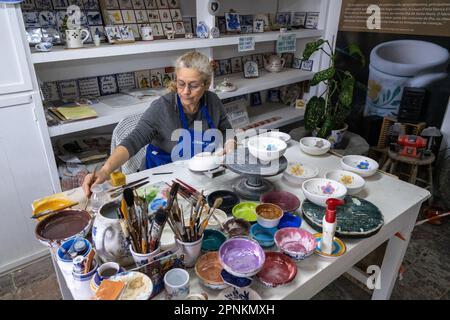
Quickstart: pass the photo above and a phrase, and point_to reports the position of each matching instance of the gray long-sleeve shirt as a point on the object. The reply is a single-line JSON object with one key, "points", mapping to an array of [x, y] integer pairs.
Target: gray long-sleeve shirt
{"points": [[162, 118]]}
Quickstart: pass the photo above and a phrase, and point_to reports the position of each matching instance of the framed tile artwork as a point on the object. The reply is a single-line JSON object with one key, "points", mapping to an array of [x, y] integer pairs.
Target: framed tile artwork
{"points": [[68, 89], [165, 15], [50, 91], [188, 25], [89, 87], [312, 20], [233, 24], [142, 78], [307, 65], [225, 66], [162, 4], [156, 76], [108, 84], [251, 69], [125, 4], [236, 64], [298, 20], [125, 81], [179, 28]]}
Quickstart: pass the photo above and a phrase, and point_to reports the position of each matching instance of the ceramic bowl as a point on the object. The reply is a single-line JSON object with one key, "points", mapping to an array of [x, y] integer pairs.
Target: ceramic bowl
{"points": [[212, 240], [277, 135], [245, 210], [101, 274], [319, 190], [208, 268], [204, 161], [241, 294], [230, 199], [363, 166], [264, 236], [295, 243], [290, 220], [138, 286], [268, 215], [353, 182], [266, 149], [297, 172], [285, 200], [278, 269], [218, 215], [314, 146], [240, 282], [242, 257], [236, 227]]}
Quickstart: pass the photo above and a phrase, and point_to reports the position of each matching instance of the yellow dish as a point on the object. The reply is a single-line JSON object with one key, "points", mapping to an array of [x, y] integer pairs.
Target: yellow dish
{"points": [[54, 202]]}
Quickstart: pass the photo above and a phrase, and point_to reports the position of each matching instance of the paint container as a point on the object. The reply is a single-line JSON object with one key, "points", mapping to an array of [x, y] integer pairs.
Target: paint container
{"points": [[81, 289], [191, 251], [105, 271], [176, 282], [143, 258]]}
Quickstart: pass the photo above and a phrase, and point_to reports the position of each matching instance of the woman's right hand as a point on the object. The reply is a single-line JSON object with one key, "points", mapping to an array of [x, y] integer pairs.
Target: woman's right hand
{"points": [[100, 177]]}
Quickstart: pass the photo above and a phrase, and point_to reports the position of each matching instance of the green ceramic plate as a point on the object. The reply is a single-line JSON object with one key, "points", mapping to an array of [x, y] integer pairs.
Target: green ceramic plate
{"points": [[245, 210]]}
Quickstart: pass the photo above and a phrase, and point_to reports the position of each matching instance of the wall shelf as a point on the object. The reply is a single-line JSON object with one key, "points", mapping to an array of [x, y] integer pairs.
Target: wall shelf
{"points": [[107, 50]]}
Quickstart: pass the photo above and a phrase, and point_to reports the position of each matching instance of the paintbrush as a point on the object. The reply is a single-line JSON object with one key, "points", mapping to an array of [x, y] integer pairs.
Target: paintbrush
{"points": [[90, 185], [137, 186], [217, 204], [128, 185]]}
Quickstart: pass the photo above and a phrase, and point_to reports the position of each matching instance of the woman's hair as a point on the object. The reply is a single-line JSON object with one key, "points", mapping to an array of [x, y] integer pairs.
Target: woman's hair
{"points": [[193, 60]]}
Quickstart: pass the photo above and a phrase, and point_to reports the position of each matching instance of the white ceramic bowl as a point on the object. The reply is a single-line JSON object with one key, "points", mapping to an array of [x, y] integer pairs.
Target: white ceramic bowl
{"points": [[362, 165], [276, 134], [212, 222], [204, 161], [353, 182], [297, 172], [319, 190], [314, 146], [266, 149]]}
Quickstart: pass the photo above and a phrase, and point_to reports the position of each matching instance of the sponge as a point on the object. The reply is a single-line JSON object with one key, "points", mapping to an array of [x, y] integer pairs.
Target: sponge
{"points": [[118, 179]]}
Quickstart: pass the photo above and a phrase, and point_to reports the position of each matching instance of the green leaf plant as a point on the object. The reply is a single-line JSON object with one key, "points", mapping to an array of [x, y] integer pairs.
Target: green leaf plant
{"points": [[329, 110]]}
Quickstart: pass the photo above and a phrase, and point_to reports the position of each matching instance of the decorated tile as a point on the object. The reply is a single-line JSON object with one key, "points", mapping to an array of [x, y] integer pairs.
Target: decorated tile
{"points": [[236, 64], [68, 89], [125, 81], [126, 33], [157, 29], [142, 78], [165, 15], [297, 63], [298, 19], [162, 4], [72, 18], [225, 66], [135, 29], [153, 16], [150, 4], [31, 19], [307, 65], [312, 20], [216, 68], [288, 58], [167, 26], [156, 77], [125, 4], [246, 58], [100, 30], [232, 22], [91, 5], [50, 91], [138, 4], [94, 18], [78, 3], [112, 4], [258, 58], [115, 16], [108, 84], [60, 4], [246, 23], [166, 78], [28, 5], [179, 27], [44, 4], [128, 16], [141, 16], [176, 15], [174, 4], [283, 19], [60, 16], [221, 24], [89, 87], [188, 25]]}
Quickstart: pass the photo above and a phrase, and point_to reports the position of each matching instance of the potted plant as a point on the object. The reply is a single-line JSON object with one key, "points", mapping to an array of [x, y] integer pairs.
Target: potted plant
{"points": [[325, 114]]}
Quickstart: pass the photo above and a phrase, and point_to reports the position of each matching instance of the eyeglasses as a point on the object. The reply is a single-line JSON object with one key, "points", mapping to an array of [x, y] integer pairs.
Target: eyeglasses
{"points": [[193, 86]]}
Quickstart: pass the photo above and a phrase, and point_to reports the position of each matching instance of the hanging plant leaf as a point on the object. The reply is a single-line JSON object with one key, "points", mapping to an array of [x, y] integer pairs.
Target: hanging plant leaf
{"points": [[354, 50], [312, 47], [347, 86], [326, 128], [315, 110], [322, 76]]}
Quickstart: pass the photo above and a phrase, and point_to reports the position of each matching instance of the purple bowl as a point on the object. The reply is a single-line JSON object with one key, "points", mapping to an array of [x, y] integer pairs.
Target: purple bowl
{"points": [[285, 200], [242, 257]]}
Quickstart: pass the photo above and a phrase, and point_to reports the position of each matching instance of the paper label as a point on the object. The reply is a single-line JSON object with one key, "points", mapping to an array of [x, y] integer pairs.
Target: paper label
{"points": [[246, 44]]}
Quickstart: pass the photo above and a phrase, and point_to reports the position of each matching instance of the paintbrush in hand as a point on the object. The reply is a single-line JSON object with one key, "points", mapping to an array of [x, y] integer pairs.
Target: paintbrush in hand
{"points": [[90, 185]]}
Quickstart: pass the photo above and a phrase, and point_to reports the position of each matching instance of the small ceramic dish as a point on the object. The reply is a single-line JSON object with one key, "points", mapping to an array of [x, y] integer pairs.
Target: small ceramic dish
{"points": [[264, 236], [240, 282], [208, 268], [278, 269], [230, 199], [266, 149], [268, 215], [314, 146], [204, 161], [138, 285], [245, 210], [297, 172], [212, 240], [319, 190], [353, 182], [295, 243], [277, 135], [233, 293], [242, 257], [226, 86], [363, 166], [285, 200], [197, 296], [236, 227], [111, 268], [339, 247], [218, 215], [290, 220]]}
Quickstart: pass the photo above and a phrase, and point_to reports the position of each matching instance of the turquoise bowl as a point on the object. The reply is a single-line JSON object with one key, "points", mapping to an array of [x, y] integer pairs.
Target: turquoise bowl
{"points": [[264, 236], [212, 240]]}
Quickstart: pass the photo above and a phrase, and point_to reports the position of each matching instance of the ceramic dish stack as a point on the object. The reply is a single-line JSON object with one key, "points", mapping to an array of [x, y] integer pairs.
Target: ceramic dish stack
{"points": [[361, 165], [314, 146], [297, 173], [319, 190]]}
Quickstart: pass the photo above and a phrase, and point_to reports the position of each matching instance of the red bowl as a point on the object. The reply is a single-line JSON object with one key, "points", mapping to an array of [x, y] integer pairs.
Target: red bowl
{"points": [[278, 269], [285, 200]]}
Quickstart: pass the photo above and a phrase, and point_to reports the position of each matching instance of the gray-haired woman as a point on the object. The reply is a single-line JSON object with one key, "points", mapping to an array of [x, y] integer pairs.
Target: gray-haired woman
{"points": [[189, 101]]}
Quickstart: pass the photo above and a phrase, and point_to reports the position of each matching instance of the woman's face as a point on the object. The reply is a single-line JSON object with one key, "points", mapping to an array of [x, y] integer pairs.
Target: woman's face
{"points": [[190, 86]]}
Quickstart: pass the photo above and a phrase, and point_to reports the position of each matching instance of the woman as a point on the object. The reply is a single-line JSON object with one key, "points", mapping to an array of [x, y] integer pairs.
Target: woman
{"points": [[188, 101]]}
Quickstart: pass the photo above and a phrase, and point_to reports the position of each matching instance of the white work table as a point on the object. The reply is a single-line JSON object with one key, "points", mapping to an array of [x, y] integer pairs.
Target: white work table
{"points": [[398, 201]]}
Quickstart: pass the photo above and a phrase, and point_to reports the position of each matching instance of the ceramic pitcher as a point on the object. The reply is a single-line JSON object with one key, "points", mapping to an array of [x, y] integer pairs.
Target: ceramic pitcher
{"points": [[109, 241], [397, 64]]}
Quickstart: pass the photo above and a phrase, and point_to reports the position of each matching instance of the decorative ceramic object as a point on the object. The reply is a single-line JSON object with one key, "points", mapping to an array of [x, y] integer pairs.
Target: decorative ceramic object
{"points": [[189, 35], [363, 166], [245, 210], [353, 182], [143, 258], [204, 161], [339, 247], [176, 283], [215, 33], [264, 236], [240, 282], [237, 227], [266, 149], [81, 282], [44, 46], [278, 269], [238, 264], [285, 200], [212, 240], [297, 173], [232, 22], [170, 34], [258, 25], [251, 69], [276, 134], [319, 190], [64, 259], [368, 222], [105, 271], [226, 86], [75, 38], [213, 7], [97, 40], [146, 33], [202, 30], [138, 286], [295, 243], [208, 270], [314, 146], [268, 215], [274, 63], [191, 251], [229, 199], [241, 294]]}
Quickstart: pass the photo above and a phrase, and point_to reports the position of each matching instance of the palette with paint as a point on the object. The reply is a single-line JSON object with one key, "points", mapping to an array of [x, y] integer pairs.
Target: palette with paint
{"points": [[138, 286], [245, 210], [339, 247], [208, 270], [236, 227], [295, 243], [278, 269]]}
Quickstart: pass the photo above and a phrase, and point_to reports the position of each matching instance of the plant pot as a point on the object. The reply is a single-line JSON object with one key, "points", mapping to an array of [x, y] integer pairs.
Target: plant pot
{"points": [[336, 136]]}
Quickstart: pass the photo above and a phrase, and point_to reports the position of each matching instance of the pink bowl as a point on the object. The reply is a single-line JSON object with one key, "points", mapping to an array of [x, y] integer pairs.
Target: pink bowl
{"points": [[285, 200], [296, 243]]}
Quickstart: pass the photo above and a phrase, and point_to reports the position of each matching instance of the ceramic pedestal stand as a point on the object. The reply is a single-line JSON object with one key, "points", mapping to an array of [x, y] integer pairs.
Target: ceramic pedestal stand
{"points": [[253, 185]]}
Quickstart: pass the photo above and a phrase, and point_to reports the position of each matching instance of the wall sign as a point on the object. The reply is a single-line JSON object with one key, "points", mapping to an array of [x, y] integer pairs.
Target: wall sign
{"points": [[246, 44], [286, 43]]}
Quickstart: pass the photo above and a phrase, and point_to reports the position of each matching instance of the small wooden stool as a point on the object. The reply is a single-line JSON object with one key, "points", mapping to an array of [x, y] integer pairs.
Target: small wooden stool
{"points": [[394, 158]]}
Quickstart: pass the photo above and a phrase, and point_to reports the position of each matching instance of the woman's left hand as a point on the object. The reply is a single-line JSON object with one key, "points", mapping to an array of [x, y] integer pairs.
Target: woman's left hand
{"points": [[228, 147]]}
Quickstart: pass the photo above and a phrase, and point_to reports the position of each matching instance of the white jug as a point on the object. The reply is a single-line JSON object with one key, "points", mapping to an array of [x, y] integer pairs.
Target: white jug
{"points": [[397, 64]]}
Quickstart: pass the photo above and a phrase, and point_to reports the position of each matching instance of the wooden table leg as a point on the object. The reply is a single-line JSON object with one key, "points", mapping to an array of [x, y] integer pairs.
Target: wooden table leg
{"points": [[413, 177]]}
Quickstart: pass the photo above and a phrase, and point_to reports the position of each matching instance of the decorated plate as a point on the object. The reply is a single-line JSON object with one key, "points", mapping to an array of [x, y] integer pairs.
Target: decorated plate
{"points": [[233, 293], [339, 247], [138, 285]]}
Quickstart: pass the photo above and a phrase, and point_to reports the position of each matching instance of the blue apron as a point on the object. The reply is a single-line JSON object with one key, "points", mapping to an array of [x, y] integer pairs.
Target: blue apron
{"points": [[156, 157]]}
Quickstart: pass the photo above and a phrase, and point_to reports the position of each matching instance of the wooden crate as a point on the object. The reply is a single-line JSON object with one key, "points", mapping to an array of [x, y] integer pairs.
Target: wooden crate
{"points": [[409, 128]]}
